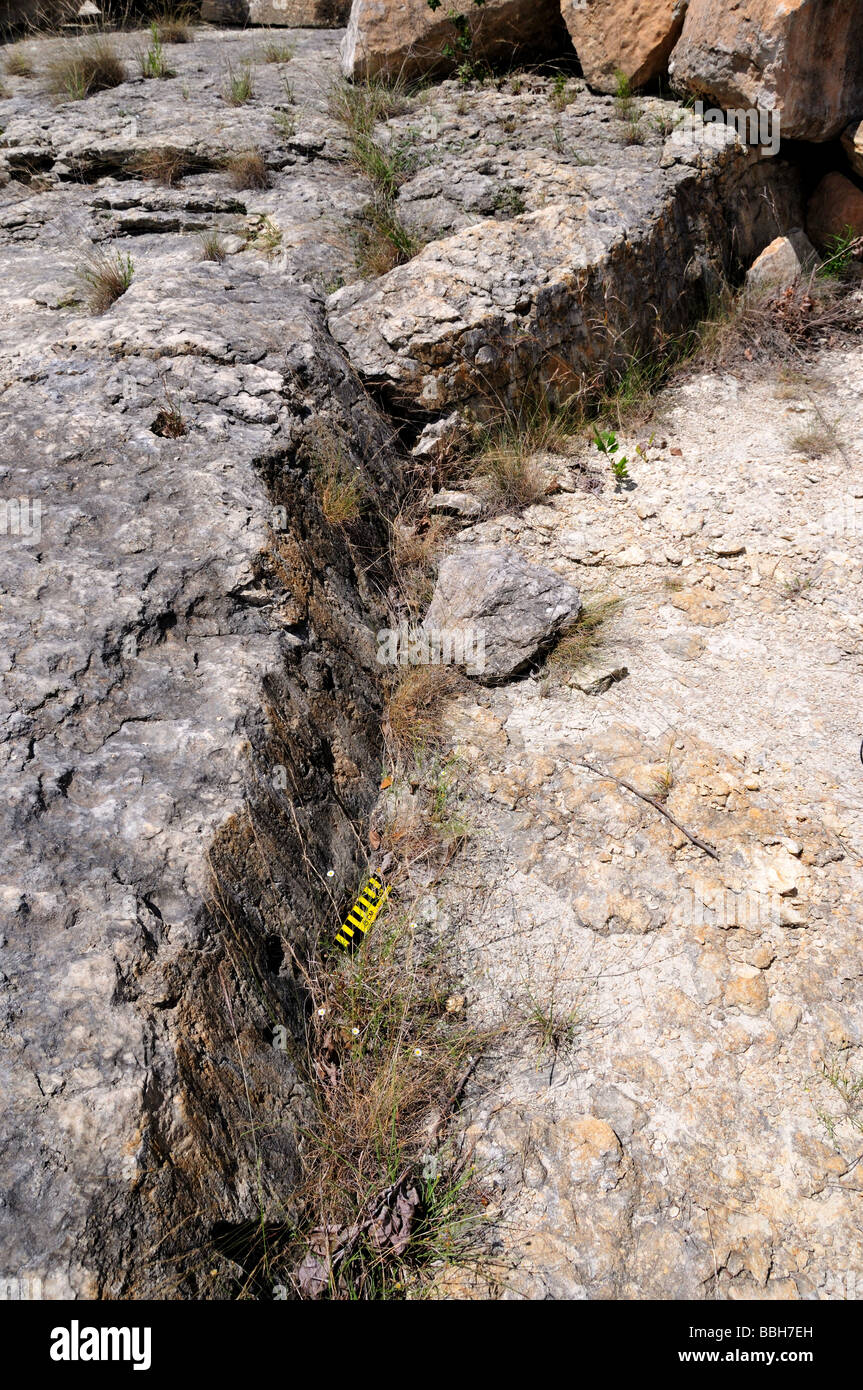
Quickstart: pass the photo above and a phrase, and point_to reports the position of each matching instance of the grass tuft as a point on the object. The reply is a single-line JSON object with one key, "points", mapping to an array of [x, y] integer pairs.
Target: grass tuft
{"points": [[18, 64], [105, 275], [239, 86], [165, 167], [82, 69], [248, 169], [212, 247]]}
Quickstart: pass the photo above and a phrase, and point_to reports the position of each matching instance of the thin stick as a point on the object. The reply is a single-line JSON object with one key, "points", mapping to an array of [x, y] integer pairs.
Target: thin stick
{"points": [[651, 801]]}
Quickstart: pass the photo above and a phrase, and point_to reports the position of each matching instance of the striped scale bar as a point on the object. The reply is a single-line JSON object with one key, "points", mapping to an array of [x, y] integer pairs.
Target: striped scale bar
{"points": [[364, 911]]}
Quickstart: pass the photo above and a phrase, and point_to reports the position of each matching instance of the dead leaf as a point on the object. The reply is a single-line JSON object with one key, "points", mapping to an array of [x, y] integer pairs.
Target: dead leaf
{"points": [[387, 782]]}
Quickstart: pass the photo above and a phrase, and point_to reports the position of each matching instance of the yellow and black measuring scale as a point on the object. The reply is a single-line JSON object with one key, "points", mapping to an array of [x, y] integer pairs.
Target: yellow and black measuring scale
{"points": [[365, 910]]}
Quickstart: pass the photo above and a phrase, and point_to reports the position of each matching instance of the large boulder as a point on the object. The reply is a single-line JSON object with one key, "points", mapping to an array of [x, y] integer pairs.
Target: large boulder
{"points": [[515, 609], [803, 58], [835, 207], [288, 14], [408, 37], [634, 37]]}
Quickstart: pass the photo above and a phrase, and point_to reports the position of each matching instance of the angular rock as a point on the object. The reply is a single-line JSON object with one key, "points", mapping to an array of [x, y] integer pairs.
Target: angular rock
{"points": [[289, 14], [782, 262], [456, 504], [852, 143], [803, 58], [409, 38], [630, 36], [835, 206], [515, 607]]}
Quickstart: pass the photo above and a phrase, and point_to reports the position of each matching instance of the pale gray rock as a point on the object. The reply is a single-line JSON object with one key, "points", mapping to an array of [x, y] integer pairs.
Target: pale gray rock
{"points": [[518, 608], [453, 503]]}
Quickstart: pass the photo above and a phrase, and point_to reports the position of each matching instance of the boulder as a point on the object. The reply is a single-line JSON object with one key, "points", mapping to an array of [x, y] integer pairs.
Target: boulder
{"points": [[287, 14], [852, 143], [408, 38], [782, 262], [836, 205], [630, 36], [803, 58], [515, 608]]}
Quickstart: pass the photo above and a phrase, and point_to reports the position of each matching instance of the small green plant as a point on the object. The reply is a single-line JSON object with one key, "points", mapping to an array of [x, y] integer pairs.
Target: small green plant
{"points": [[606, 443], [627, 110], [105, 276], [285, 123], [841, 249], [153, 60], [212, 247], [508, 202], [796, 586], [560, 95], [239, 87]]}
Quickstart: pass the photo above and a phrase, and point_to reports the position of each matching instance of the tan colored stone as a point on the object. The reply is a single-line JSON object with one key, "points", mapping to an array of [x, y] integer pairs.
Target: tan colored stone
{"points": [[852, 143], [782, 262], [409, 38], [747, 992], [836, 205], [803, 58], [630, 36]]}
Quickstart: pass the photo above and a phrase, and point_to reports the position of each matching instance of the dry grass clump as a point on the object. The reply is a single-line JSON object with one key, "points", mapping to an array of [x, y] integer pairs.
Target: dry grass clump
{"points": [[414, 714], [166, 166], [583, 638], [382, 241], [173, 27], [359, 106], [82, 69], [212, 247], [744, 328], [508, 463], [105, 275], [337, 481], [18, 64], [413, 549], [248, 169], [275, 50], [384, 1201]]}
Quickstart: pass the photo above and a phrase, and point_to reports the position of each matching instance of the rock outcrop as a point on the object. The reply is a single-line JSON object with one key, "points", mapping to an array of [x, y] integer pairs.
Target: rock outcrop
{"points": [[852, 143], [293, 14], [802, 58], [611, 246], [633, 37], [190, 705], [411, 37]]}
